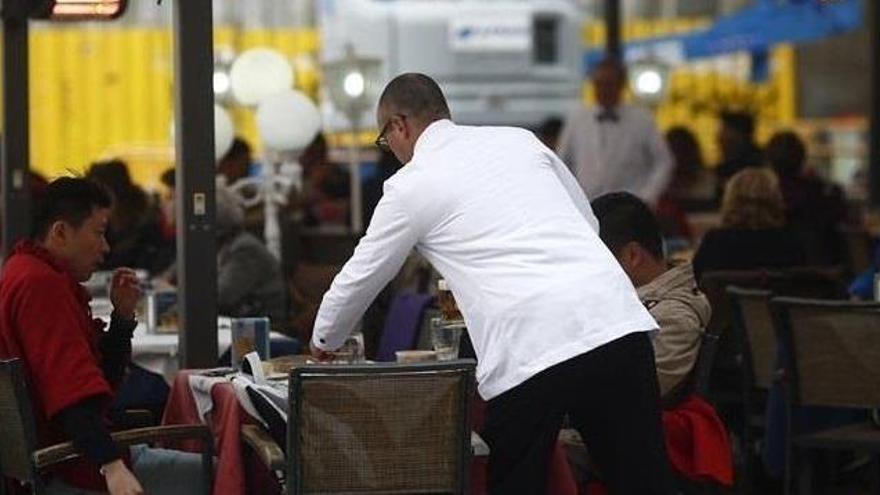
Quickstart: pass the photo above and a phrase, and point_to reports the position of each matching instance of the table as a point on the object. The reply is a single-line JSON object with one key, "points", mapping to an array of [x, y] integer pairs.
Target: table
{"points": [[227, 416], [157, 352]]}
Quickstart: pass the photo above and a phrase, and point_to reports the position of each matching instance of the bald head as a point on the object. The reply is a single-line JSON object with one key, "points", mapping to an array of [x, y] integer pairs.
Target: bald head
{"points": [[415, 95]]}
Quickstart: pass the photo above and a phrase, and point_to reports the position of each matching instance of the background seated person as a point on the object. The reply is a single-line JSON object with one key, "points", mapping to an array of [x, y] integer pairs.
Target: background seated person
{"points": [[72, 365], [632, 233], [249, 278], [753, 232]]}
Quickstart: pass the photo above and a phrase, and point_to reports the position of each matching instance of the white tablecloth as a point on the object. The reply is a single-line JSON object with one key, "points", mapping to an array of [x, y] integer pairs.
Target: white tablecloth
{"points": [[157, 352]]}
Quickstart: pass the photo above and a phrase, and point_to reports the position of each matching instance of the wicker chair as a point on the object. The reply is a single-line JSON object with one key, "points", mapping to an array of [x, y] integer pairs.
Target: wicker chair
{"points": [[373, 429], [753, 321], [21, 460], [832, 359]]}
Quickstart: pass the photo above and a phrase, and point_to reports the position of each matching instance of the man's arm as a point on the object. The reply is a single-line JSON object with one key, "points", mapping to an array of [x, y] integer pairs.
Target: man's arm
{"points": [[661, 164], [574, 190], [377, 258], [677, 343], [115, 346], [565, 147], [82, 424]]}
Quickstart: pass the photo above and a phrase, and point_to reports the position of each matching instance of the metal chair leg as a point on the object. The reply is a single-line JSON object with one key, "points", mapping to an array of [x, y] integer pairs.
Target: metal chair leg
{"points": [[208, 465], [804, 466]]}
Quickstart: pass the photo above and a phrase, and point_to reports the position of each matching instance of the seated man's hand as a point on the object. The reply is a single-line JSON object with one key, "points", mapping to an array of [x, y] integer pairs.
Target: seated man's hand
{"points": [[320, 354], [124, 292], [120, 481]]}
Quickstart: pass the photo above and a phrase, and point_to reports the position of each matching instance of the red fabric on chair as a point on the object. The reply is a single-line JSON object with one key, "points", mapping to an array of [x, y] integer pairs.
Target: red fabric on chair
{"points": [[697, 443], [225, 420]]}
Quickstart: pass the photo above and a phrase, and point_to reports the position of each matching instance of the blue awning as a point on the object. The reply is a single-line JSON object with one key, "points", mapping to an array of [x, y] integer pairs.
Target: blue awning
{"points": [[753, 29]]}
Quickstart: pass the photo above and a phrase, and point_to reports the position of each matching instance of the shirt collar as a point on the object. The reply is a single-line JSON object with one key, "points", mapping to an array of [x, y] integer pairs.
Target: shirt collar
{"points": [[30, 248], [432, 133]]}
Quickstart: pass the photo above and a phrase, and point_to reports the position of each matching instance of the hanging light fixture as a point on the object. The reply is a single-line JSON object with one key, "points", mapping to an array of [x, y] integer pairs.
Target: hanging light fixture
{"points": [[78, 10]]}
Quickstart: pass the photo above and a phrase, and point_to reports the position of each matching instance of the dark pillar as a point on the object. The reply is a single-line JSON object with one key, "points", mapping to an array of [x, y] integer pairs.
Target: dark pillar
{"points": [[612, 28], [194, 134], [874, 117], [16, 147]]}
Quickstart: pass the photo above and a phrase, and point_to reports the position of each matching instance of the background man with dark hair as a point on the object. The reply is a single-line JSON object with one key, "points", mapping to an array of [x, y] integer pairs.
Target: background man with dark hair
{"points": [[612, 146], [72, 365], [549, 311], [736, 140], [236, 163]]}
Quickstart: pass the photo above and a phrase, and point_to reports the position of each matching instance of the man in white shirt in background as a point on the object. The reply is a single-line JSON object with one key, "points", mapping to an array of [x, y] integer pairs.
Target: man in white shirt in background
{"points": [[614, 147], [555, 323]]}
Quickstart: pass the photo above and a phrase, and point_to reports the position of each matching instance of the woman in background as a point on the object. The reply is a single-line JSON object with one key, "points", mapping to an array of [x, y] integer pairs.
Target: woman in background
{"points": [[753, 232]]}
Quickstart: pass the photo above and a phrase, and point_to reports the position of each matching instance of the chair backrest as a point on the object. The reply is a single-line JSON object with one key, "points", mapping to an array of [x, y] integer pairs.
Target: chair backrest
{"points": [[380, 428], [703, 365], [753, 319], [818, 282], [402, 325], [18, 438], [831, 351]]}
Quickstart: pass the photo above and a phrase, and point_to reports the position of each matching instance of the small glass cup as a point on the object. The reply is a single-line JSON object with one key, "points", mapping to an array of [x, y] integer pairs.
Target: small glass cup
{"points": [[352, 350], [446, 338]]}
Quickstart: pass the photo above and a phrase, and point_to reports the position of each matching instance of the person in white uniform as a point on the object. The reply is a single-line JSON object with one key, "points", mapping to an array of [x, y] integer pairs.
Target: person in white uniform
{"points": [[612, 147], [556, 324]]}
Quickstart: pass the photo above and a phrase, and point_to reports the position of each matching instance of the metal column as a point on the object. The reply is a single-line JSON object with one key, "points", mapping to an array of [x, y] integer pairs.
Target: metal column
{"points": [[874, 117], [16, 146], [612, 28], [194, 128]]}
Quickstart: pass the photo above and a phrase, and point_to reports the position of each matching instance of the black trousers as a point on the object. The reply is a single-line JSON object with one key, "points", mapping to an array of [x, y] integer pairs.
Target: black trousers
{"points": [[612, 398]]}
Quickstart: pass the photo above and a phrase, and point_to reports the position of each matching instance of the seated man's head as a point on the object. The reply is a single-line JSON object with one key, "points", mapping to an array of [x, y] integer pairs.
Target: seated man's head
{"points": [[632, 233], [70, 223]]}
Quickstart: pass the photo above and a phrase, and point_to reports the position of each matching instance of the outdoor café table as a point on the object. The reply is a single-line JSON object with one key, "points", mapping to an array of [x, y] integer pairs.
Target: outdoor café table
{"points": [[227, 416]]}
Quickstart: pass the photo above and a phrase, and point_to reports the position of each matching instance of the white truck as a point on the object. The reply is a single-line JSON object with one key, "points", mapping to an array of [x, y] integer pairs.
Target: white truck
{"points": [[510, 62]]}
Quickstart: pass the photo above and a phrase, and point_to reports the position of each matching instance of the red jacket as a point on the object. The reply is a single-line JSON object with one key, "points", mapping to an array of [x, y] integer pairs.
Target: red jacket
{"points": [[45, 320]]}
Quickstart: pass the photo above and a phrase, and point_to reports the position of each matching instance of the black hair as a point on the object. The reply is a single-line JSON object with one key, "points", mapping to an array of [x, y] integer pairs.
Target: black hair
{"points": [[239, 148], [417, 96], [112, 174], [786, 153], [742, 122], [624, 218], [168, 178], [68, 199]]}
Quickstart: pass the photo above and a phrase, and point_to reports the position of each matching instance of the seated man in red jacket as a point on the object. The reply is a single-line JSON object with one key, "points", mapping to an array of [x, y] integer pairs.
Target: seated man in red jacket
{"points": [[72, 364]]}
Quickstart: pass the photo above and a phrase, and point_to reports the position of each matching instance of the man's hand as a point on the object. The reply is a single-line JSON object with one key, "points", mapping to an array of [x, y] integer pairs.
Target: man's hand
{"points": [[320, 354], [124, 292], [120, 481]]}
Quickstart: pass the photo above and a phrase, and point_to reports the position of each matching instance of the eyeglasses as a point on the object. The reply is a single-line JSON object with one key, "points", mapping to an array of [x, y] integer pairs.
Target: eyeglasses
{"points": [[381, 140]]}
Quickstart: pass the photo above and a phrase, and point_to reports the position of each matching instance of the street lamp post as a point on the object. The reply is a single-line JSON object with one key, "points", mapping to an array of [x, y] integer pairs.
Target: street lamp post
{"points": [[352, 87]]}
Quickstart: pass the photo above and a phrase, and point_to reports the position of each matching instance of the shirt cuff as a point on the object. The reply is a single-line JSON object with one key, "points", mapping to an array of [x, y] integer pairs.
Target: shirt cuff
{"points": [[121, 326]]}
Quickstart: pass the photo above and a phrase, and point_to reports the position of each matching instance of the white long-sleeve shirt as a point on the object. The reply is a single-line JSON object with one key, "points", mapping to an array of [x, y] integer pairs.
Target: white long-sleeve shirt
{"points": [[508, 227], [628, 154]]}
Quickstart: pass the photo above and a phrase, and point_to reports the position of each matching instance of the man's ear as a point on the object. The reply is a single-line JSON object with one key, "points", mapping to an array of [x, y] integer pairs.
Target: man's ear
{"points": [[58, 231], [631, 255]]}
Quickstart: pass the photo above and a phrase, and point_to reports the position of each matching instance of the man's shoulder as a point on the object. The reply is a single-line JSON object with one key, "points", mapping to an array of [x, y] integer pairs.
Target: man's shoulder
{"points": [[27, 269], [676, 293]]}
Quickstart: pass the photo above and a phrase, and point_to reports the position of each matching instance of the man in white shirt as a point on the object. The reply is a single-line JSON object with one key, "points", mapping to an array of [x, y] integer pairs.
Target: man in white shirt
{"points": [[614, 147], [555, 322]]}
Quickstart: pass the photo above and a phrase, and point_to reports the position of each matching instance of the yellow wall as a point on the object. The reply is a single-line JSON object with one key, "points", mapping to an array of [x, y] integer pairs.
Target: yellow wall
{"points": [[102, 92]]}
